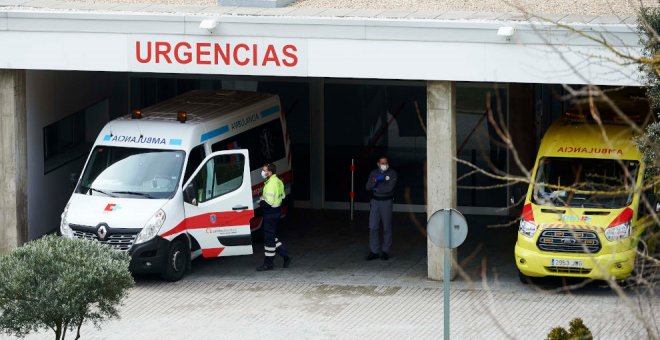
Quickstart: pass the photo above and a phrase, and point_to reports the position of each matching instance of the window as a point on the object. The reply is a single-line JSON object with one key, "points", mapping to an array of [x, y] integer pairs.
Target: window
{"points": [[131, 173], [195, 158], [585, 182], [71, 137], [221, 175], [265, 143]]}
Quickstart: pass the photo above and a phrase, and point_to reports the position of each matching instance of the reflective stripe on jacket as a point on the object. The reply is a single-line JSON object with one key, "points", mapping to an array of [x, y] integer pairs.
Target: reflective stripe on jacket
{"points": [[273, 192]]}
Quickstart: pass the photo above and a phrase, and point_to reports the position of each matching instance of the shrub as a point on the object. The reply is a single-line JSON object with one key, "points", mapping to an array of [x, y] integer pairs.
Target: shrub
{"points": [[59, 283], [557, 333], [576, 331]]}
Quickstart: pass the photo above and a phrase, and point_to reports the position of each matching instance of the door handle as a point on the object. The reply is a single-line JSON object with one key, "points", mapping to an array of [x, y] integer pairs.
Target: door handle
{"points": [[239, 208]]}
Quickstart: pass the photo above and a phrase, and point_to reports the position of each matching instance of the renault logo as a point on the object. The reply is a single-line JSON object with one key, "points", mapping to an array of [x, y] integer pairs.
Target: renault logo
{"points": [[102, 232]]}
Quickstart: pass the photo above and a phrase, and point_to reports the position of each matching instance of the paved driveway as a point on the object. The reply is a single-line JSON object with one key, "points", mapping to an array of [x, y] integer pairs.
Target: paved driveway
{"points": [[331, 292]]}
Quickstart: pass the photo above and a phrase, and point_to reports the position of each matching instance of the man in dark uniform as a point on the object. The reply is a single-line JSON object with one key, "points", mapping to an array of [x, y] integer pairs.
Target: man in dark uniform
{"points": [[271, 202], [380, 184]]}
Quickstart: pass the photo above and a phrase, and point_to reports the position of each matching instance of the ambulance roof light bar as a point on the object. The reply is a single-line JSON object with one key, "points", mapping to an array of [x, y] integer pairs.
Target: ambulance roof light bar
{"points": [[136, 114], [182, 116]]}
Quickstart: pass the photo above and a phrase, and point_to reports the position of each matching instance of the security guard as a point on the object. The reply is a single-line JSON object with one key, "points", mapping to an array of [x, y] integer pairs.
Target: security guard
{"points": [[380, 184], [270, 202]]}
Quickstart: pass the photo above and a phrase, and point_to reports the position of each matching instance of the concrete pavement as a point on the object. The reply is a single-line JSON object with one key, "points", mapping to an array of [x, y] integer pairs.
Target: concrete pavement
{"points": [[332, 292]]}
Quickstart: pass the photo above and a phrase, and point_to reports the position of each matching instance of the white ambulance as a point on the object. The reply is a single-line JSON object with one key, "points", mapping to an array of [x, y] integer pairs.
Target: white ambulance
{"points": [[180, 179]]}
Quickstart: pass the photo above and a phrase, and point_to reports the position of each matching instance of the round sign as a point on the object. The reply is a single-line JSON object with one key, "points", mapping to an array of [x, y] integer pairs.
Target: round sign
{"points": [[438, 224]]}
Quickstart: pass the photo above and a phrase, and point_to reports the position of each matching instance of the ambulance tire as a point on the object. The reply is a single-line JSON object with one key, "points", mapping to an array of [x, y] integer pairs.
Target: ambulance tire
{"points": [[178, 256], [524, 279]]}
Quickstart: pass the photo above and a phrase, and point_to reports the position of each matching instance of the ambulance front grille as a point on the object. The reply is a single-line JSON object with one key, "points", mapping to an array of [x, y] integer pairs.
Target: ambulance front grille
{"points": [[568, 270], [121, 242], [569, 241]]}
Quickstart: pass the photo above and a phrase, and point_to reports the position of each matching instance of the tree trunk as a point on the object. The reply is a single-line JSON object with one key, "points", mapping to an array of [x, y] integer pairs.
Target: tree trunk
{"points": [[78, 332], [64, 327], [58, 331]]}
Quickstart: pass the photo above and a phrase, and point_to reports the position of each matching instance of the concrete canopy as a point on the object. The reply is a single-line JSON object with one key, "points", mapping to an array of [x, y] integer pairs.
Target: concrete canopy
{"points": [[346, 47]]}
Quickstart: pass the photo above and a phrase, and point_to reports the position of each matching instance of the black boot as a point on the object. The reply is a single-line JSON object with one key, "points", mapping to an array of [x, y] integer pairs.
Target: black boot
{"points": [[372, 256], [287, 262], [384, 256], [264, 268]]}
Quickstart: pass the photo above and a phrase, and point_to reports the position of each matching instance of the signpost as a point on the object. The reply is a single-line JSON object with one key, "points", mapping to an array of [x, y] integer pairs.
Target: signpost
{"points": [[447, 229]]}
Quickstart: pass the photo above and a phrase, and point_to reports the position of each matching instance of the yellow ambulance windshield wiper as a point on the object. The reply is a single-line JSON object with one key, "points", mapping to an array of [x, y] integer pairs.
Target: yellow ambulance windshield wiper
{"points": [[144, 194], [101, 191]]}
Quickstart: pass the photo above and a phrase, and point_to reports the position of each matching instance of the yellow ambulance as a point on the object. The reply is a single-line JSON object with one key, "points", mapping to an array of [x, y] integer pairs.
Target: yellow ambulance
{"points": [[582, 215]]}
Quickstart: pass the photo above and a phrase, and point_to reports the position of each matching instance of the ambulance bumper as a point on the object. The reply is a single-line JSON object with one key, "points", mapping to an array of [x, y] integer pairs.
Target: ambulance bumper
{"points": [[149, 257], [536, 263]]}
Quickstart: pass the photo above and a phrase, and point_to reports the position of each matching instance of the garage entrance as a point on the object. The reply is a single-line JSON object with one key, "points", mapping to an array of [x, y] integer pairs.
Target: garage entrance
{"points": [[331, 122]]}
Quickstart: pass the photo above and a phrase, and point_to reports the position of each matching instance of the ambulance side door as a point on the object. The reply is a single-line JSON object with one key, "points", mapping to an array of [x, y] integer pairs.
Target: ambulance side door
{"points": [[218, 204]]}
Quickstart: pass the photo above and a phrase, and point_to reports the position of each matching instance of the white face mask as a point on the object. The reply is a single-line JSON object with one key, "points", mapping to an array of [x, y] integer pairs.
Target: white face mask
{"points": [[263, 174], [383, 167]]}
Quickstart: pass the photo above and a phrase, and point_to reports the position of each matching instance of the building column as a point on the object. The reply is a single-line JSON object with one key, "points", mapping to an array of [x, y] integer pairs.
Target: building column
{"points": [[317, 142], [13, 160], [440, 163]]}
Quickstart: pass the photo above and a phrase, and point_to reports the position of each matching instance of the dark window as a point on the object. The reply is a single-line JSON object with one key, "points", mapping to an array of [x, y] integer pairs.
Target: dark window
{"points": [[195, 158], [585, 182], [265, 143], [221, 175], [72, 137]]}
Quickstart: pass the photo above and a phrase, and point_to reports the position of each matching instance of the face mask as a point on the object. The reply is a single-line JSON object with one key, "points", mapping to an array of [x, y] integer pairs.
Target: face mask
{"points": [[383, 167], [263, 174]]}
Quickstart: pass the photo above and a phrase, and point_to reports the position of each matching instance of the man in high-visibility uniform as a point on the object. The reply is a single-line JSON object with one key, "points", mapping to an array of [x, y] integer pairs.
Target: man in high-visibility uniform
{"points": [[270, 203]]}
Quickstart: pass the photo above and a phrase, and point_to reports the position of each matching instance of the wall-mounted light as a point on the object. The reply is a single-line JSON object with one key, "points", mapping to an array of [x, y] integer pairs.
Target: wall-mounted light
{"points": [[208, 24], [506, 32]]}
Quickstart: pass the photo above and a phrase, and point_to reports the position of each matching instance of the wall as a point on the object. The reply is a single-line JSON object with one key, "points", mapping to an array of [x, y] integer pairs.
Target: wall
{"points": [[51, 96]]}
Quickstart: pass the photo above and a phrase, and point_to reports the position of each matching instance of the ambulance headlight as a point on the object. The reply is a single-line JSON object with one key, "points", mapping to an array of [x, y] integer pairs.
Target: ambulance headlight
{"points": [[65, 230], [527, 228], [618, 232], [152, 227]]}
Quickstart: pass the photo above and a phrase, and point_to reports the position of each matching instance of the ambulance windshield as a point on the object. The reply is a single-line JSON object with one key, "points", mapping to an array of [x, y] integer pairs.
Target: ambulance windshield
{"points": [[132, 172], [585, 182]]}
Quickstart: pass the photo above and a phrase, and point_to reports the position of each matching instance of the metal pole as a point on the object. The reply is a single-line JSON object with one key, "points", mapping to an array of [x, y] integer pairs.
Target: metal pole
{"points": [[447, 271], [352, 187]]}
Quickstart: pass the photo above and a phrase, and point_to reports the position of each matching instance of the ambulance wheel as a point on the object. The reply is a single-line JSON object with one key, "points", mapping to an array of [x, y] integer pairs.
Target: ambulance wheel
{"points": [[524, 279], [177, 261]]}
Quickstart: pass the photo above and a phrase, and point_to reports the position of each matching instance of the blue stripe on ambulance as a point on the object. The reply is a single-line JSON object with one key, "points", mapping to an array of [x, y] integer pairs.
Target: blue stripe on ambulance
{"points": [[175, 141], [106, 138], [214, 133], [270, 111]]}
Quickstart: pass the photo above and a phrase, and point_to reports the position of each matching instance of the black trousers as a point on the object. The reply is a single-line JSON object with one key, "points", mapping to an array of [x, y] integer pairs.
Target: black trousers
{"points": [[272, 245]]}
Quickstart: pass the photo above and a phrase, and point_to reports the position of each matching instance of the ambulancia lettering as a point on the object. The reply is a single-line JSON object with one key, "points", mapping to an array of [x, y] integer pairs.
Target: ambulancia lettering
{"points": [[580, 149], [138, 139], [244, 121]]}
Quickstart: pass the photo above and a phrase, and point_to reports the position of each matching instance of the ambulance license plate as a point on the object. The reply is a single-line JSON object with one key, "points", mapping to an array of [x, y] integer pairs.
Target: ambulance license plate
{"points": [[567, 263]]}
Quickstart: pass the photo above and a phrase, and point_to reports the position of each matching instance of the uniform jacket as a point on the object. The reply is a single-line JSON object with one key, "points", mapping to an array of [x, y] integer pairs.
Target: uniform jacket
{"points": [[382, 189]]}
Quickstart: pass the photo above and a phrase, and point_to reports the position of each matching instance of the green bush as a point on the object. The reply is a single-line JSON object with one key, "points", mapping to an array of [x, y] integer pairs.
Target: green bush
{"points": [[59, 283], [576, 331]]}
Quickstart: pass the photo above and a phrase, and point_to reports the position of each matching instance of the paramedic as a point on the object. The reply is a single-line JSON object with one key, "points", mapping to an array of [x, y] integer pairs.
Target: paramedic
{"points": [[380, 184], [270, 202]]}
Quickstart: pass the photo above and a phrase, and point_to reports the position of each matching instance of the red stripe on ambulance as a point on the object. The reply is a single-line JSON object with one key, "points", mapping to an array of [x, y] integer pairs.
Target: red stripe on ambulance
{"points": [[222, 219]]}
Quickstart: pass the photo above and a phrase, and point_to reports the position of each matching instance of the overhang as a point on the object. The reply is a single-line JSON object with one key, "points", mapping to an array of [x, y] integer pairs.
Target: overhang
{"points": [[335, 47]]}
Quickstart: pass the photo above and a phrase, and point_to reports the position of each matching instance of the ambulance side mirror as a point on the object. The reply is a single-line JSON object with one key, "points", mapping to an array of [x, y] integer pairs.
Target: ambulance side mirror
{"points": [[190, 194], [516, 196], [653, 202]]}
